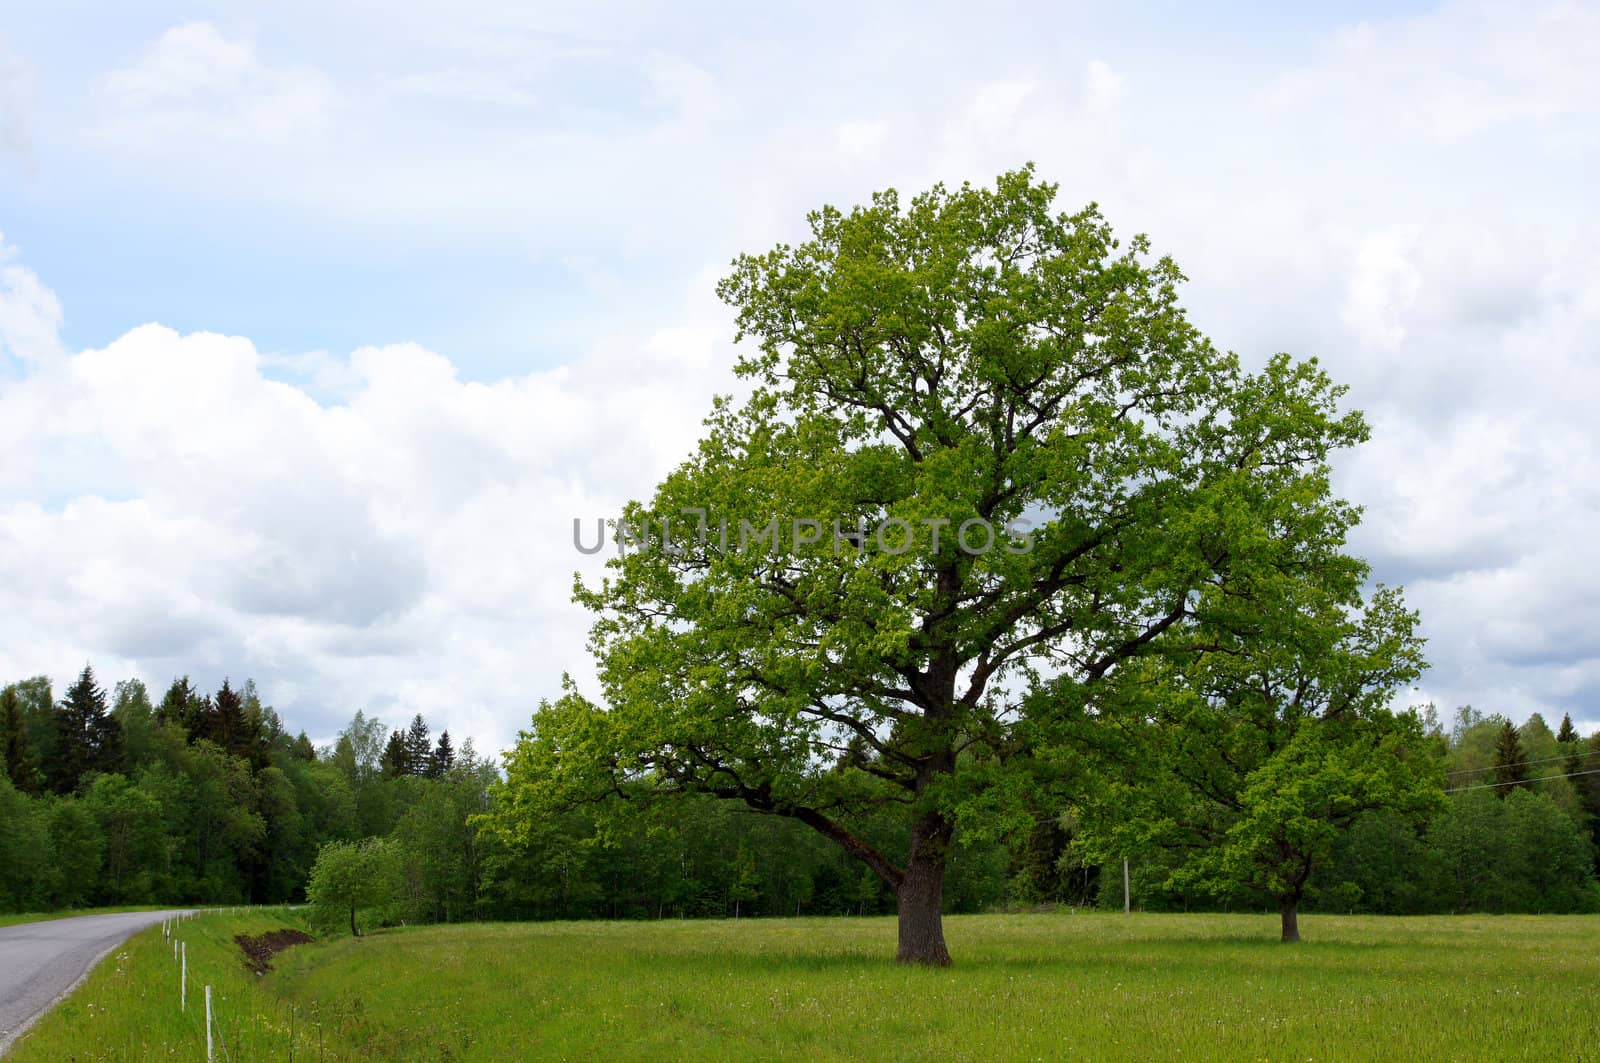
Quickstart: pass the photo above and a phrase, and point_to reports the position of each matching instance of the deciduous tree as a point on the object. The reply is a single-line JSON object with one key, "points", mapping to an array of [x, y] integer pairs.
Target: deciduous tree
{"points": [[1256, 739], [351, 876], [926, 375]]}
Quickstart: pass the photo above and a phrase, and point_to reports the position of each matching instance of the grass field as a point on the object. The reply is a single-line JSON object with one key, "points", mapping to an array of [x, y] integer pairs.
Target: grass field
{"points": [[1081, 986]]}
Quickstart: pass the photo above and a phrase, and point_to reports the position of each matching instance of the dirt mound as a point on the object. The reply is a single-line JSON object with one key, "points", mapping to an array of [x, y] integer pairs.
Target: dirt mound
{"points": [[259, 950]]}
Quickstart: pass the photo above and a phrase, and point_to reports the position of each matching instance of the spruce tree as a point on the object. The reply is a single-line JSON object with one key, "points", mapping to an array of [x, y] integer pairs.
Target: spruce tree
{"points": [[14, 747], [226, 721], [1572, 747], [260, 726], [1510, 767], [177, 706], [396, 759], [418, 748], [444, 757], [89, 736], [199, 718]]}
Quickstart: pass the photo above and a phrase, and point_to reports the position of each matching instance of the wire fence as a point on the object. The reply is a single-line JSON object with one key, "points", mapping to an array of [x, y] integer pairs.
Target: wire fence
{"points": [[180, 955], [246, 1035]]}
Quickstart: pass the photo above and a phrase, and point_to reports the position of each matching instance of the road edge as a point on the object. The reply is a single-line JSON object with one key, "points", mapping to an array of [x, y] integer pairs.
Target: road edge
{"points": [[10, 1038]]}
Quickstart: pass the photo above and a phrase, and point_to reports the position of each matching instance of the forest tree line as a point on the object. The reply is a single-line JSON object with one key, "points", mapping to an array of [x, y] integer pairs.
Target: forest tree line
{"points": [[113, 798]]}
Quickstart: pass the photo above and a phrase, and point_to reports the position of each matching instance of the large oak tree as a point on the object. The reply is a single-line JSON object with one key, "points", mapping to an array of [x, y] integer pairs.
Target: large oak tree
{"points": [[969, 359]]}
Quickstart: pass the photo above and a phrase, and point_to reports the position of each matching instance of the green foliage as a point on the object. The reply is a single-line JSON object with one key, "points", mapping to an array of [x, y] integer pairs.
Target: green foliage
{"points": [[1239, 769], [39, 721], [968, 356], [77, 848], [1516, 854], [88, 739], [136, 720], [1510, 767], [234, 812], [443, 757], [396, 760], [16, 748], [1379, 865], [135, 850], [26, 848], [349, 878], [439, 845], [1297, 803]]}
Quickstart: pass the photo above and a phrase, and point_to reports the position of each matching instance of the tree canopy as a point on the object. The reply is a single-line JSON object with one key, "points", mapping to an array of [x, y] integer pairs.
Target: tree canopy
{"points": [[1029, 467]]}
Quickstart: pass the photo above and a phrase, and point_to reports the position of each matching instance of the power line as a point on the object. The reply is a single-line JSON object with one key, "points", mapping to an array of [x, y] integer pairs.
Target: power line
{"points": [[1522, 782], [1525, 763]]}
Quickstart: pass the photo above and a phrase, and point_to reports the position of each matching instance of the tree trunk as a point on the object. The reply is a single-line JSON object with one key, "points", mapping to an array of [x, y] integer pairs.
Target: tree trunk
{"points": [[354, 932], [921, 895], [1289, 909]]}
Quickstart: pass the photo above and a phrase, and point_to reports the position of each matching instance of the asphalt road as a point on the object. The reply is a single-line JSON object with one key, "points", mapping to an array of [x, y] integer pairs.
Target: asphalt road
{"points": [[41, 962]]}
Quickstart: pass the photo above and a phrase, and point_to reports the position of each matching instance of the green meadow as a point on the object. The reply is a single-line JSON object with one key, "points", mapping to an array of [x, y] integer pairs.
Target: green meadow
{"points": [[1026, 987]]}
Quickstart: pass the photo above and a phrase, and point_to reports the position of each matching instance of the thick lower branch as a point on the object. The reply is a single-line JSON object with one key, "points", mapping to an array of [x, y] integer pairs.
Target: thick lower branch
{"points": [[881, 865]]}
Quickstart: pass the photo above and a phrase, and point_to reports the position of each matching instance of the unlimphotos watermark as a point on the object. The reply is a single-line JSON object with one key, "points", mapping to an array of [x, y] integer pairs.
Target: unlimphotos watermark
{"points": [[805, 535]]}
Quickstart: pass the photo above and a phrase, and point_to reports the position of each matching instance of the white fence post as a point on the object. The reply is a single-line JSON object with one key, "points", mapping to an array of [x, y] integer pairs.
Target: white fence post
{"points": [[183, 981], [208, 1025]]}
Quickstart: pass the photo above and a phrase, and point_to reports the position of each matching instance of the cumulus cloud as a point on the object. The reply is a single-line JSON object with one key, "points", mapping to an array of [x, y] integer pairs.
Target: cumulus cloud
{"points": [[30, 314], [1482, 500], [388, 527], [1460, 71], [406, 549], [1383, 285]]}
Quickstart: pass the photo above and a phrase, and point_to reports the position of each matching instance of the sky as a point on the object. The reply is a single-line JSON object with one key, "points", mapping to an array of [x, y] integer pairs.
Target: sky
{"points": [[321, 322]]}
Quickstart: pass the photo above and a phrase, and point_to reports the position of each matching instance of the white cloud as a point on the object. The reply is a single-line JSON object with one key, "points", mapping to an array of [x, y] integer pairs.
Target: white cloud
{"points": [[466, 86], [16, 104], [1460, 71], [409, 549], [861, 138], [30, 315], [196, 84], [1383, 286], [689, 93], [996, 104], [1102, 87], [1409, 204]]}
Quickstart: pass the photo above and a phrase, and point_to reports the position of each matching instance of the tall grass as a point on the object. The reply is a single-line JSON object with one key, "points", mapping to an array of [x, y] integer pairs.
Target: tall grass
{"points": [[128, 1009], [1082, 986]]}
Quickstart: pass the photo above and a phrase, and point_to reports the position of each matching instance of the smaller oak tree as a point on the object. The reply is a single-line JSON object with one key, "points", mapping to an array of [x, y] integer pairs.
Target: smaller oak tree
{"points": [[1246, 762], [349, 877]]}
